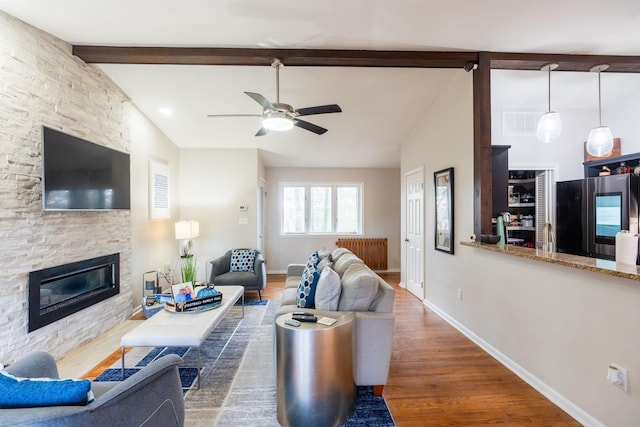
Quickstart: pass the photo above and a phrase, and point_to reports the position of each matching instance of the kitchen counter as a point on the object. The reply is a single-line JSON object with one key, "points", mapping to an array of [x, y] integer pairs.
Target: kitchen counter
{"points": [[574, 261]]}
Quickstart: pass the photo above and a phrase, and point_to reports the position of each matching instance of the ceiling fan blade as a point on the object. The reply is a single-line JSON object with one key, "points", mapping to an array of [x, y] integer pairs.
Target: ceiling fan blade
{"points": [[262, 132], [234, 115], [261, 100], [320, 109], [309, 126]]}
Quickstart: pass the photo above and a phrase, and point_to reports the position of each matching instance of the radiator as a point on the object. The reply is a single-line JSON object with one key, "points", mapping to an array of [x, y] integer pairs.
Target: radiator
{"points": [[372, 251]]}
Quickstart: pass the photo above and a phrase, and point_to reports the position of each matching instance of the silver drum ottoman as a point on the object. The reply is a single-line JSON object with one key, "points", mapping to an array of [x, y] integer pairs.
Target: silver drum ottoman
{"points": [[314, 372]]}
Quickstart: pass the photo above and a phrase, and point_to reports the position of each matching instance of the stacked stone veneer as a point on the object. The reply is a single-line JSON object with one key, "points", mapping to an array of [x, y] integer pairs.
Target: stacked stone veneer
{"points": [[41, 83]]}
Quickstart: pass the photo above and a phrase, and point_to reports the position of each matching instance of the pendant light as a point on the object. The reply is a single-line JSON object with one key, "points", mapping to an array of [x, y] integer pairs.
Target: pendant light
{"points": [[600, 140], [549, 126]]}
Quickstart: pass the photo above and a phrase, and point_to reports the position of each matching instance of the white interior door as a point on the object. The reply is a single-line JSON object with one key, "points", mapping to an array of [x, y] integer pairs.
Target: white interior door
{"points": [[414, 240]]}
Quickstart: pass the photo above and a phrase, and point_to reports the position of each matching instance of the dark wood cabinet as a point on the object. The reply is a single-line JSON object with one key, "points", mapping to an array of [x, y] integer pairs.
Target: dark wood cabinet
{"points": [[500, 179], [594, 167]]}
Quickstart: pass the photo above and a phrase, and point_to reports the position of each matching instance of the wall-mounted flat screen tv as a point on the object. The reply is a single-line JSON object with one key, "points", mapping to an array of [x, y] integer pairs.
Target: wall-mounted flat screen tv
{"points": [[80, 175]]}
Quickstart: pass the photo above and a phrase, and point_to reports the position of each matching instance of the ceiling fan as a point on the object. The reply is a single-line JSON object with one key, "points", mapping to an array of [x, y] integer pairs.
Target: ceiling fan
{"points": [[278, 116]]}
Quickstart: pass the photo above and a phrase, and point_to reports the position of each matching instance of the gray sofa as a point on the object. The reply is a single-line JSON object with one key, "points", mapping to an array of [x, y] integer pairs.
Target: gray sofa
{"points": [[374, 327], [255, 280], [151, 397]]}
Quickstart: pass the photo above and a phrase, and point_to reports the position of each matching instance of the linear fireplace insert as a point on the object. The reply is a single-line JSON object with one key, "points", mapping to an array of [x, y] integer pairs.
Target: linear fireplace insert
{"points": [[60, 291]]}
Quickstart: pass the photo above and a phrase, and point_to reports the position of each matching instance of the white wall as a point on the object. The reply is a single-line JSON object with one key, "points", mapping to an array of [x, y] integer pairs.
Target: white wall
{"points": [[434, 148], [381, 213], [213, 184], [558, 327], [153, 240], [567, 152]]}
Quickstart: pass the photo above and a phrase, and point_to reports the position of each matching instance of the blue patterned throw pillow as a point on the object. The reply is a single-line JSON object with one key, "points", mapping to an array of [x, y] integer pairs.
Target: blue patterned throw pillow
{"points": [[242, 260], [307, 287], [313, 260]]}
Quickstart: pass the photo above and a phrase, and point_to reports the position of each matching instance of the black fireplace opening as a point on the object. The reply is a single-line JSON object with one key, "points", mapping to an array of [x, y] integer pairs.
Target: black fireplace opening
{"points": [[60, 291]]}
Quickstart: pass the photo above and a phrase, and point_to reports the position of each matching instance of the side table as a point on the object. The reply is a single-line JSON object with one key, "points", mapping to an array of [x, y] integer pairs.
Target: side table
{"points": [[314, 372]]}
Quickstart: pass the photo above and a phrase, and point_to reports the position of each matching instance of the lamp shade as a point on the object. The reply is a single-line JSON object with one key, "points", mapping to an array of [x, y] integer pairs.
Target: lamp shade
{"points": [[600, 141], [187, 229], [549, 127]]}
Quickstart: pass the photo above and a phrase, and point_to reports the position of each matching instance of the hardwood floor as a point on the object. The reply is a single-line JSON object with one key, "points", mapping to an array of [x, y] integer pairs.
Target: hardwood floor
{"points": [[438, 377]]}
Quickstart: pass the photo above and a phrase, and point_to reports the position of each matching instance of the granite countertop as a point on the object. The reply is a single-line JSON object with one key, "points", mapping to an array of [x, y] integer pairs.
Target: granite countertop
{"points": [[596, 265]]}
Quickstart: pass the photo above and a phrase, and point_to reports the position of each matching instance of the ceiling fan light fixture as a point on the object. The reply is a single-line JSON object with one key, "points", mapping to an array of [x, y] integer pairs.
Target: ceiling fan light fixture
{"points": [[277, 120]]}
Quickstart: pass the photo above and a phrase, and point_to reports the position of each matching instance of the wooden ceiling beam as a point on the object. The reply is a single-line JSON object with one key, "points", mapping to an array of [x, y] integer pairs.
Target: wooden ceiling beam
{"points": [[535, 61], [258, 57], [347, 58]]}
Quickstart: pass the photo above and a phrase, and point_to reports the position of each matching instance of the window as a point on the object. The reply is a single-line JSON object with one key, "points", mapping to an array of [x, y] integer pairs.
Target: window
{"points": [[321, 208]]}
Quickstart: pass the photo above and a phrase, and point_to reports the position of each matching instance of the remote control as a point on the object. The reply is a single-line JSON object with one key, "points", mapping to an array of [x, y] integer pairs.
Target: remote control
{"points": [[307, 317], [292, 322]]}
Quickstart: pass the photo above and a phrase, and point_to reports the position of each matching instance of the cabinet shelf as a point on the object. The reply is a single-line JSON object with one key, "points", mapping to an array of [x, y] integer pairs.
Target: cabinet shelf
{"points": [[520, 228], [592, 168], [522, 205], [522, 181]]}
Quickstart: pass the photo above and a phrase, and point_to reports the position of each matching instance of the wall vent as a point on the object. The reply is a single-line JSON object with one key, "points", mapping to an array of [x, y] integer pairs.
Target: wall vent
{"points": [[520, 123]]}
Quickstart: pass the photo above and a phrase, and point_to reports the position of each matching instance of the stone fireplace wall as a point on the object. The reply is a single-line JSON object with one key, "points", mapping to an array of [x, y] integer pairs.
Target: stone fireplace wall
{"points": [[41, 83]]}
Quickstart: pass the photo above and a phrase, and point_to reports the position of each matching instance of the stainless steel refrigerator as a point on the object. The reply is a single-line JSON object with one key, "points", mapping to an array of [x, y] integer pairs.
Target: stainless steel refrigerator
{"points": [[589, 213]]}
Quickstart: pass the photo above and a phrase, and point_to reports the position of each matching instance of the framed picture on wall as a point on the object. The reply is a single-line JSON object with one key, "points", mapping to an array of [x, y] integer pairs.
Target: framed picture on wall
{"points": [[443, 183], [158, 190]]}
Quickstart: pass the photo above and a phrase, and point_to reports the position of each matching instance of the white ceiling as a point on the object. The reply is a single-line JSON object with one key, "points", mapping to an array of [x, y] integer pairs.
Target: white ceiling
{"points": [[380, 106]]}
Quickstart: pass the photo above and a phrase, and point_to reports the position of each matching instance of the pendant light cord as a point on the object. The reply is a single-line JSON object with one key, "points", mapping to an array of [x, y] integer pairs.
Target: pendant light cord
{"points": [[278, 82], [599, 99], [549, 89]]}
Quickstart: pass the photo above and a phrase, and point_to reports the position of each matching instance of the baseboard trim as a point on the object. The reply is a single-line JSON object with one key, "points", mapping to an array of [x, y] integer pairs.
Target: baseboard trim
{"points": [[562, 402]]}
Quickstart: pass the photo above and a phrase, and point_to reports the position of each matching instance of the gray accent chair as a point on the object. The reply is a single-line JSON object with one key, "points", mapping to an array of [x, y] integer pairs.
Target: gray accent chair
{"points": [[152, 397], [255, 280]]}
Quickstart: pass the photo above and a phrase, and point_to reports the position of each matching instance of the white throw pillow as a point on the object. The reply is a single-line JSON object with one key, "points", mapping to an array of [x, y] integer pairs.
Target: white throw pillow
{"points": [[338, 252], [328, 290], [323, 263], [341, 265], [359, 289]]}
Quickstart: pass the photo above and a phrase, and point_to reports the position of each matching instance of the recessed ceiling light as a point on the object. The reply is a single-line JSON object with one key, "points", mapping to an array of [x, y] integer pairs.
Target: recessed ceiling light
{"points": [[165, 110]]}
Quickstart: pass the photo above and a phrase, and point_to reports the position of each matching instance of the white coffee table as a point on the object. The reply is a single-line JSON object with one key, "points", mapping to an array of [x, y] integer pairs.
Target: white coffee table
{"points": [[191, 329]]}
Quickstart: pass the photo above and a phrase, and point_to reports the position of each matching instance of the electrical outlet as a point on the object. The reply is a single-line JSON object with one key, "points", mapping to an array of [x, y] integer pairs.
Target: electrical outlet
{"points": [[460, 294], [617, 375]]}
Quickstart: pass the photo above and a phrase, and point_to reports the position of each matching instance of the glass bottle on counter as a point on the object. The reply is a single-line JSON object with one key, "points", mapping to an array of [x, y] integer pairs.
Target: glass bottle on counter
{"points": [[623, 169]]}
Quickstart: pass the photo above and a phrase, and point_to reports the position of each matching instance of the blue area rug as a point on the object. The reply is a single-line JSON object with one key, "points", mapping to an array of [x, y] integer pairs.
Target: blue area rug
{"points": [[187, 375], [370, 410], [253, 302], [237, 381]]}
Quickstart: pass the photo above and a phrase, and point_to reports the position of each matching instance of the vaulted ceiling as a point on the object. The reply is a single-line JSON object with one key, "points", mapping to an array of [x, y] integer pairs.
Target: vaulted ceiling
{"points": [[381, 104]]}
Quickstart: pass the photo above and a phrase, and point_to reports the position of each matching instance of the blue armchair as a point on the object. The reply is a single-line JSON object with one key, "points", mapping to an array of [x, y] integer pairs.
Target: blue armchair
{"points": [[151, 397], [253, 279]]}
